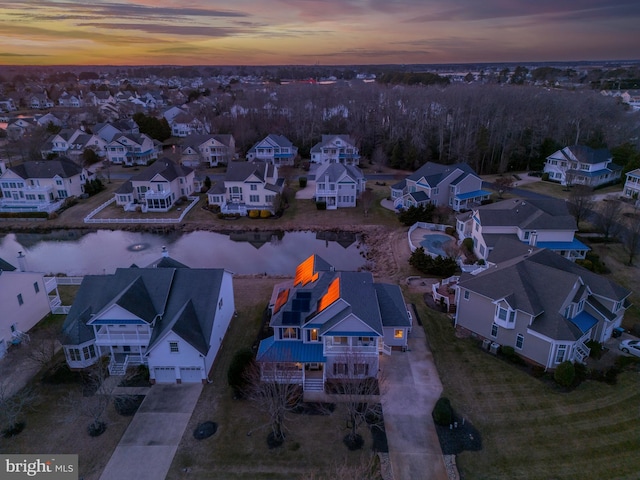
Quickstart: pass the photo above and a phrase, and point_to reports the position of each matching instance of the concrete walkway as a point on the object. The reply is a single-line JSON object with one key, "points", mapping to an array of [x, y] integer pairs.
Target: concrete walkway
{"points": [[147, 447], [411, 387]]}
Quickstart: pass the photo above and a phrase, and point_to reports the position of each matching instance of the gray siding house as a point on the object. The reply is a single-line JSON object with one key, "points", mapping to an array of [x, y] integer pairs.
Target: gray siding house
{"points": [[541, 304]]}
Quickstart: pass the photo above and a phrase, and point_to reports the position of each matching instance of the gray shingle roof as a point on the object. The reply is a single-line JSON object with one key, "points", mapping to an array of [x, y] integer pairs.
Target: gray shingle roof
{"points": [[435, 172], [6, 266], [61, 166], [240, 171], [392, 306], [183, 300], [335, 170], [586, 154], [539, 283], [165, 167], [528, 214]]}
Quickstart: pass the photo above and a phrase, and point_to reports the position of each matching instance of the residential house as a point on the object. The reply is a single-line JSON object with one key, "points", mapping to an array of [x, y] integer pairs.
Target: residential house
{"points": [[544, 306], [169, 317], [456, 186], [40, 101], [48, 119], [157, 187], [100, 98], [632, 185], [335, 149], [185, 124], [26, 298], [212, 150], [339, 185], [582, 165], [72, 143], [172, 112], [42, 185], [109, 130], [247, 186], [132, 149], [7, 104], [19, 127], [541, 222], [276, 149], [70, 100], [330, 324]]}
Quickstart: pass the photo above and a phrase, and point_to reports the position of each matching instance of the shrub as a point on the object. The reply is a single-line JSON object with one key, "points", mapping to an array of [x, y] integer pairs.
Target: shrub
{"points": [[537, 371], [597, 349], [321, 205], [236, 377], [510, 354], [442, 412], [254, 213], [450, 231], [545, 177], [565, 374], [302, 181], [582, 372], [611, 375], [265, 213], [468, 244]]}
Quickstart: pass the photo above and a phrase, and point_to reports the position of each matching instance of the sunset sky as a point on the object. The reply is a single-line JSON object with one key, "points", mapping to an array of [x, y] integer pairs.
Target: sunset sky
{"points": [[327, 32]]}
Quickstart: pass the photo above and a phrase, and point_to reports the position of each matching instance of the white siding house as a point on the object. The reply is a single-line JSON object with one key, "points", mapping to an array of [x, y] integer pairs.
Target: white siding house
{"points": [[336, 149], [582, 165], [338, 185], [169, 317]]}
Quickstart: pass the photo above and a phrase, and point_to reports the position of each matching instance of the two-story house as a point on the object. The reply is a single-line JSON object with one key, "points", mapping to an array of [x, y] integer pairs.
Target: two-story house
{"points": [[40, 101], [211, 150], [276, 149], [456, 186], [108, 130], [632, 185], [336, 149], [582, 165], [541, 304], [247, 186], [185, 124], [157, 187], [169, 317], [133, 149], [328, 324], [70, 100], [338, 185], [7, 104], [541, 222], [25, 299], [42, 185], [72, 143]]}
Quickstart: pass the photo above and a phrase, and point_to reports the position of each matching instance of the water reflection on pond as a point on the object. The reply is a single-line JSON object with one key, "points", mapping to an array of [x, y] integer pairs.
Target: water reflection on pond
{"points": [[277, 253]]}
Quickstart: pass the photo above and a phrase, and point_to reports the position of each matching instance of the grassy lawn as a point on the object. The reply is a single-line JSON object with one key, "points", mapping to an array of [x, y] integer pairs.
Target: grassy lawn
{"points": [[529, 429], [615, 258], [239, 448], [558, 191]]}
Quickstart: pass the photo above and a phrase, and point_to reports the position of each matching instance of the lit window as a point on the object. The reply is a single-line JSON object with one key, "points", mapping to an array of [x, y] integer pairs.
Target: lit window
{"points": [[173, 347], [398, 333], [289, 333]]}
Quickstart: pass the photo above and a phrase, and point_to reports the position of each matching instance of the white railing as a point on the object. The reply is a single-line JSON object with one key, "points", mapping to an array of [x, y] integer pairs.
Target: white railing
{"points": [[286, 376], [122, 338], [60, 310], [349, 349], [63, 281], [89, 218], [386, 349]]}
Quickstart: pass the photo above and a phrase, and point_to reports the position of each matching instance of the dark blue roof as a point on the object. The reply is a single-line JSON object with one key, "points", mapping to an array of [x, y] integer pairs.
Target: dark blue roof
{"points": [[584, 321], [271, 350]]}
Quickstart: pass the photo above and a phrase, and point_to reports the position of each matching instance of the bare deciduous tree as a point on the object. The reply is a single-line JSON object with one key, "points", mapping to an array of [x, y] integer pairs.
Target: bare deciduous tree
{"points": [[504, 185], [580, 202], [631, 238], [13, 407], [356, 380], [43, 348], [609, 215], [275, 389], [366, 200]]}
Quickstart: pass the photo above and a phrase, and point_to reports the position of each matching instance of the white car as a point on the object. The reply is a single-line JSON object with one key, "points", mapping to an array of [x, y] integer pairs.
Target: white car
{"points": [[630, 346]]}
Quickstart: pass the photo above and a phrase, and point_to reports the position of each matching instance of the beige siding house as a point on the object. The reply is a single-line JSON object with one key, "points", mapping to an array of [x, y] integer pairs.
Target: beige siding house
{"points": [[541, 304]]}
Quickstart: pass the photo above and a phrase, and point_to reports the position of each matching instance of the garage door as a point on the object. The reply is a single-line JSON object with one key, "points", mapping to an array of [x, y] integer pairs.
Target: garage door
{"points": [[165, 374], [191, 374]]}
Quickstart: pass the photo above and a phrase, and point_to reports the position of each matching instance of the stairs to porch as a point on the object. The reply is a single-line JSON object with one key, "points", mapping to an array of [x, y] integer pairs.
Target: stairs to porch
{"points": [[314, 385]]}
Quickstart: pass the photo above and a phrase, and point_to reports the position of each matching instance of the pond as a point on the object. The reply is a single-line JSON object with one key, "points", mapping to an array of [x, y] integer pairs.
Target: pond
{"points": [[75, 252]]}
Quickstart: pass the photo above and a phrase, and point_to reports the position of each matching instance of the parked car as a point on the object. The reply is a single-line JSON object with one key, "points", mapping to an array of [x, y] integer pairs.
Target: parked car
{"points": [[630, 346]]}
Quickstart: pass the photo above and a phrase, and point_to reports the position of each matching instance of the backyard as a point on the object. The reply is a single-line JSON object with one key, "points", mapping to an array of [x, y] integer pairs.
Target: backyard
{"points": [[529, 428]]}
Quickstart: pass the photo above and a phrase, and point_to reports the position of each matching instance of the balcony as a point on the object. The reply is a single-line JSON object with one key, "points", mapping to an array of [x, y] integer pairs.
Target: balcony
{"points": [[132, 338], [332, 349]]}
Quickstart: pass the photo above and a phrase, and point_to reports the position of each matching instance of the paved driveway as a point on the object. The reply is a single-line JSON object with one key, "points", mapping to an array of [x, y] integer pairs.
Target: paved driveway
{"points": [[411, 388], [147, 447]]}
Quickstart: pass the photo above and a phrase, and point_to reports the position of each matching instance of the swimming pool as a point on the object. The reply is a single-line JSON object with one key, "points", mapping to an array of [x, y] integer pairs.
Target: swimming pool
{"points": [[434, 243]]}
